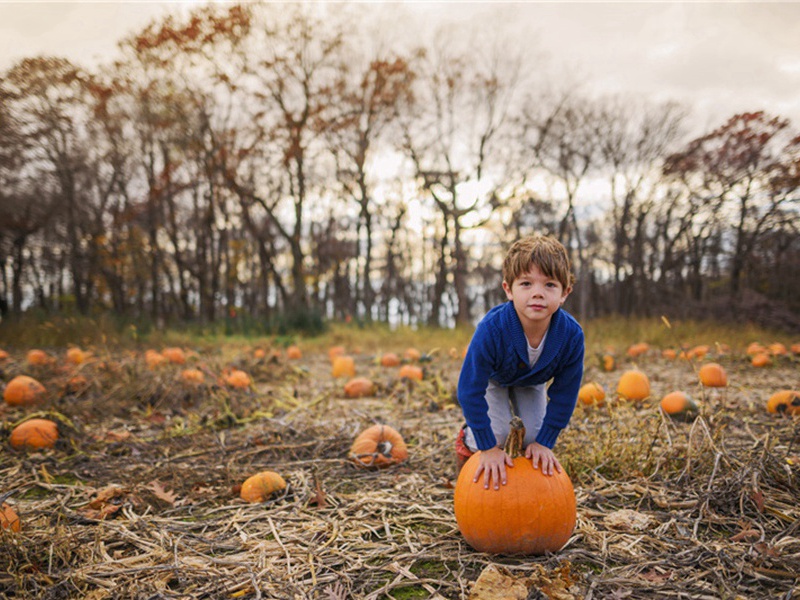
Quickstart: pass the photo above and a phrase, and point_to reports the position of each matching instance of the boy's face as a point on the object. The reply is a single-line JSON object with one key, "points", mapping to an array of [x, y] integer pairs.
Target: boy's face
{"points": [[536, 297]]}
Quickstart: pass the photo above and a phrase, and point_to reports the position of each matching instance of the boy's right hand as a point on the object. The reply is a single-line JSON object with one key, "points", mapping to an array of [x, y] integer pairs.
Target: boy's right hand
{"points": [[492, 463]]}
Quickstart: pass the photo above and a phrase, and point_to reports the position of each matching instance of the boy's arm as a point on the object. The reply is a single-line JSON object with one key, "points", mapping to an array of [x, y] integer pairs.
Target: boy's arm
{"points": [[563, 394], [472, 383]]}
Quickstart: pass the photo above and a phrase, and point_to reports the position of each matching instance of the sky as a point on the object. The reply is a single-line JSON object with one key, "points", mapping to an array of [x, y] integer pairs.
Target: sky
{"points": [[719, 58]]}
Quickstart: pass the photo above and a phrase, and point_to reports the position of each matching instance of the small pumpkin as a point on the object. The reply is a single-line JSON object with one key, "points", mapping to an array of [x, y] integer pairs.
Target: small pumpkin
{"points": [[678, 405], [412, 354], [174, 355], [592, 394], [335, 351], [608, 362], [259, 487], [4, 355], [532, 513], [698, 352], [76, 384], [669, 353], [755, 348], [713, 375], [634, 385], [9, 519], [777, 349], [761, 359], [294, 353], [343, 366], [784, 402], [154, 359], [238, 379], [34, 434], [378, 447], [390, 359], [192, 376], [411, 372], [636, 350], [76, 356], [38, 358], [359, 387], [23, 390]]}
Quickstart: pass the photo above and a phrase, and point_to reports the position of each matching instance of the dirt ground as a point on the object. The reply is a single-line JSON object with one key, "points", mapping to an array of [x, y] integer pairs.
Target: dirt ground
{"points": [[140, 497]]}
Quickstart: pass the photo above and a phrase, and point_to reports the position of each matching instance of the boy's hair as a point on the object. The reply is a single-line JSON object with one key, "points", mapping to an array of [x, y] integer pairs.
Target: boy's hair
{"points": [[544, 251]]}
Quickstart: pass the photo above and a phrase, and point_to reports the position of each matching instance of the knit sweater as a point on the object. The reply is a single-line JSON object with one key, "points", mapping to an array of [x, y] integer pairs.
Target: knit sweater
{"points": [[499, 351]]}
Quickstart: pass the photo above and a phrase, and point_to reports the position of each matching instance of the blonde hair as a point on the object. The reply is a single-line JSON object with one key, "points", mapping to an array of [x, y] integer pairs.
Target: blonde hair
{"points": [[544, 251]]}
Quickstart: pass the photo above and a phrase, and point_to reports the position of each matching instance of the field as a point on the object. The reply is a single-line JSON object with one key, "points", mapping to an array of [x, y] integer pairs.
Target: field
{"points": [[139, 498]]}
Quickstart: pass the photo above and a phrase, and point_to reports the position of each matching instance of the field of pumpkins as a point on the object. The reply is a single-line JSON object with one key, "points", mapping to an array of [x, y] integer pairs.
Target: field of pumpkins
{"points": [[328, 471]]}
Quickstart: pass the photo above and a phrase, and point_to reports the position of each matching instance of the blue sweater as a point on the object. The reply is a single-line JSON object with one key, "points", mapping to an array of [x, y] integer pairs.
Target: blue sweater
{"points": [[499, 351]]}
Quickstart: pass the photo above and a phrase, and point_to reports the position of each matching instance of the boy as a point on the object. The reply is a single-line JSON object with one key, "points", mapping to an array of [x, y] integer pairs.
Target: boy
{"points": [[517, 347]]}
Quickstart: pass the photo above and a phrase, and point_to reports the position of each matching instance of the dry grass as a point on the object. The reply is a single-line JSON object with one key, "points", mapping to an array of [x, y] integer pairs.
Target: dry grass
{"points": [[140, 498]]}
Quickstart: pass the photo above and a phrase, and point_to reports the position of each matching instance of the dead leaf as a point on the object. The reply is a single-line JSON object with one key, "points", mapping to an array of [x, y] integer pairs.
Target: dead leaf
{"points": [[627, 520], [158, 489], [746, 535], [497, 583]]}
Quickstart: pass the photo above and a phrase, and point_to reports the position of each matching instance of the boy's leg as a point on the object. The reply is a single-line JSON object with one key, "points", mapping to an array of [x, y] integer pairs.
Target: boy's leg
{"points": [[462, 452]]}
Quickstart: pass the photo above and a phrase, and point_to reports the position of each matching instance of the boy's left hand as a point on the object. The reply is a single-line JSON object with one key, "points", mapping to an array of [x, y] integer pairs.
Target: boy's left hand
{"points": [[542, 455]]}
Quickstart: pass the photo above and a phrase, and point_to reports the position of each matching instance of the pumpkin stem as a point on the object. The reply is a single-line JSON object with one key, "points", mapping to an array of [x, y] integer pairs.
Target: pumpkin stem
{"points": [[385, 447], [514, 441]]}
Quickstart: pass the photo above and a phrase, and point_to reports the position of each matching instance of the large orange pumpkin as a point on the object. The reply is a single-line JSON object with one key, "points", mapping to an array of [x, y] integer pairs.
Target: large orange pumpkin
{"points": [[713, 375], [378, 446], [678, 405], [633, 385], [9, 519], [34, 434], [23, 390], [359, 387], [784, 402], [592, 394], [261, 486], [532, 513]]}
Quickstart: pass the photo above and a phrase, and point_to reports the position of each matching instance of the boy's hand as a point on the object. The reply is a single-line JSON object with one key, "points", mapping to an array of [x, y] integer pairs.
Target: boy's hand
{"points": [[493, 464], [542, 455]]}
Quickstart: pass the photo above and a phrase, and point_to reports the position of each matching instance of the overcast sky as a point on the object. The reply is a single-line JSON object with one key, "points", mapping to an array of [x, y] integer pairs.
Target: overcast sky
{"points": [[717, 57]]}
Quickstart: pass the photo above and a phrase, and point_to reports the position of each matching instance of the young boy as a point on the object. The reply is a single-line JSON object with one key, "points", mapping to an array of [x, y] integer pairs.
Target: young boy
{"points": [[518, 347]]}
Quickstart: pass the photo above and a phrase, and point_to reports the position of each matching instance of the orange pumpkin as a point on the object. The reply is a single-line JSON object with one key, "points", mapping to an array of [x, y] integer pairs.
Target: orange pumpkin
{"points": [[592, 394], [412, 354], [34, 434], [609, 364], [76, 356], [761, 359], [9, 519], [390, 359], [359, 387], [76, 384], [755, 348], [378, 446], [713, 375], [3, 355], [261, 486], [678, 405], [410, 372], [795, 348], [343, 366], [784, 402], [778, 349], [23, 390], [238, 379], [633, 385], [698, 351], [192, 376], [669, 354], [174, 355], [636, 350], [154, 359], [38, 358], [335, 351], [532, 513], [294, 352]]}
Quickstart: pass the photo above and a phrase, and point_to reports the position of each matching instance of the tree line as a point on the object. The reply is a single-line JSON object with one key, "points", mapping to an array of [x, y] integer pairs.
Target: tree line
{"points": [[276, 160]]}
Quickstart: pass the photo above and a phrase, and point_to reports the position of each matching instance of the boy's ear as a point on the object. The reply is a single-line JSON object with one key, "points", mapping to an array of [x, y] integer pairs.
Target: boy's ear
{"points": [[507, 290], [567, 292]]}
